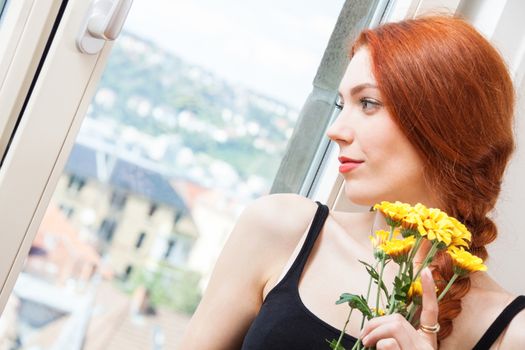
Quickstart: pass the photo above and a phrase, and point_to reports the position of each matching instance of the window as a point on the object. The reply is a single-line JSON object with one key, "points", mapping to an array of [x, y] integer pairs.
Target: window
{"points": [[76, 183], [67, 210], [169, 248], [107, 229], [177, 216], [127, 272], [118, 200], [140, 240], [173, 135], [177, 250], [152, 209]]}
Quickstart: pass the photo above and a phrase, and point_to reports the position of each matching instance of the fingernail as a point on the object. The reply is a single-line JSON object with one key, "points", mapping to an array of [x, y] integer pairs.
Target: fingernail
{"points": [[365, 340]]}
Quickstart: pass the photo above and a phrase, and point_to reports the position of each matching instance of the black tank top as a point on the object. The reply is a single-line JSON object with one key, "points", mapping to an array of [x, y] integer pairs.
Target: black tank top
{"points": [[284, 322]]}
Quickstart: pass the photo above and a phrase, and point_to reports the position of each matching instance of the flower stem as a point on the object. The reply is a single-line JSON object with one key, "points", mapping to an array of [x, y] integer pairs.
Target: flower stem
{"points": [[447, 287], [363, 319], [380, 281], [379, 285], [392, 301], [411, 312], [429, 257], [344, 329], [368, 295], [415, 248], [357, 345]]}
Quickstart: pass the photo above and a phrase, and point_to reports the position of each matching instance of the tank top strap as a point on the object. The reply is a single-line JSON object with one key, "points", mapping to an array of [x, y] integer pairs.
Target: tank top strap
{"points": [[500, 323], [295, 271]]}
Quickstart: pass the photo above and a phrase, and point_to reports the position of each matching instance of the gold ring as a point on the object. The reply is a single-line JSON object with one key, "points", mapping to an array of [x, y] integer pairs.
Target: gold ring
{"points": [[430, 329]]}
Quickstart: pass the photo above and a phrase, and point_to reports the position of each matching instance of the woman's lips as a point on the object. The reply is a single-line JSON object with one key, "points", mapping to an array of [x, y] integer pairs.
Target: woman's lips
{"points": [[348, 166]]}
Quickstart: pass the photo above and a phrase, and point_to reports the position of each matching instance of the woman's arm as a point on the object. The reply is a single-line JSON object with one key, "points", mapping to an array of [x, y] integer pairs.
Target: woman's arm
{"points": [[257, 249]]}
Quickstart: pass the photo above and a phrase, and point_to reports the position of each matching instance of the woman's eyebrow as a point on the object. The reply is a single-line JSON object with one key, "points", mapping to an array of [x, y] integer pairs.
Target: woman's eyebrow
{"points": [[356, 89]]}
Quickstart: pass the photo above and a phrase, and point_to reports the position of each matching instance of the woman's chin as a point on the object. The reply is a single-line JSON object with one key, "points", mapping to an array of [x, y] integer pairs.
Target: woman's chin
{"points": [[359, 197]]}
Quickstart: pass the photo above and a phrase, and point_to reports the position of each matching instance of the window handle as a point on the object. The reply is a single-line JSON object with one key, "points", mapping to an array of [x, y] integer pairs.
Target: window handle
{"points": [[103, 23]]}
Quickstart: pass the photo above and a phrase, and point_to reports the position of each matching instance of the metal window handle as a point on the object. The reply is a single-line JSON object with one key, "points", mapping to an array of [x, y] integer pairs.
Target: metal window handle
{"points": [[103, 22]]}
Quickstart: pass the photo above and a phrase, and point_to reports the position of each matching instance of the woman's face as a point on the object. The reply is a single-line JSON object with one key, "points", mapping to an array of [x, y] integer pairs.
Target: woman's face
{"points": [[364, 130]]}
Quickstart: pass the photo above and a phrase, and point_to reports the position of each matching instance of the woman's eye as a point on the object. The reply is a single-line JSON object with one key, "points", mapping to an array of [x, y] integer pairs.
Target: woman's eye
{"points": [[339, 103], [369, 104]]}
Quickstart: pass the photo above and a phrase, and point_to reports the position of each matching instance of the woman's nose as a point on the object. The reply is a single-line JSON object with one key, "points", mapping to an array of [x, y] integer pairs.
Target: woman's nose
{"points": [[340, 130]]}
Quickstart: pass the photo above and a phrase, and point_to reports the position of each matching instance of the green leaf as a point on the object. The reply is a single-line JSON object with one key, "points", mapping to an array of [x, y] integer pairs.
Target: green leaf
{"points": [[356, 302], [346, 298], [401, 287], [398, 283], [333, 345], [366, 264], [375, 277]]}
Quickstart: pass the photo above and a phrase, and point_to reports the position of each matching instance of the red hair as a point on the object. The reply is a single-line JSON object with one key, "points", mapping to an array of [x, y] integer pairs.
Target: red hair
{"points": [[450, 92]]}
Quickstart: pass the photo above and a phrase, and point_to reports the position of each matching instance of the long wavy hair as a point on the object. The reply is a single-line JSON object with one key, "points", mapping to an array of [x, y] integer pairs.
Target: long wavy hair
{"points": [[449, 91]]}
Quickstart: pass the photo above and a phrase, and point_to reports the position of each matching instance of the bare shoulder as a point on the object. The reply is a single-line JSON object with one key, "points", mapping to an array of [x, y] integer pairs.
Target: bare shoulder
{"points": [[266, 233], [473, 321], [282, 216]]}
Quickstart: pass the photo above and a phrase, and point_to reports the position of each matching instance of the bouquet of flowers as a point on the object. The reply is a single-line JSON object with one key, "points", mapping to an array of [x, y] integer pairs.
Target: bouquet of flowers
{"points": [[409, 227]]}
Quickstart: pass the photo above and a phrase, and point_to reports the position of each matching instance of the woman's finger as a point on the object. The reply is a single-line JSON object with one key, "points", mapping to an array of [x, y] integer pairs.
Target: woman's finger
{"points": [[391, 326], [387, 344], [429, 310], [374, 323]]}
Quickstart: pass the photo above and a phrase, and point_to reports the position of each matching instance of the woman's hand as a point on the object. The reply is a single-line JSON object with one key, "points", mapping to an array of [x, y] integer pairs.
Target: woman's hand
{"points": [[395, 332]]}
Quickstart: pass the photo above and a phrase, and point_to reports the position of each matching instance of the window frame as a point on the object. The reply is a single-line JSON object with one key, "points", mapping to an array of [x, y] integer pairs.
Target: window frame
{"points": [[26, 30], [35, 159]]}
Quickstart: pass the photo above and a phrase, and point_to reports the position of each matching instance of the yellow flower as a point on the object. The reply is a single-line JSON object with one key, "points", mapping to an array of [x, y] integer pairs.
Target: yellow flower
{"points": [[437, 226], [398, 249], [415, 217], [380, 313], [412, 221], [431, 223], [465, 262], [380, 237], [416, 289], [460, 234], [415, 292], [395, 211]]}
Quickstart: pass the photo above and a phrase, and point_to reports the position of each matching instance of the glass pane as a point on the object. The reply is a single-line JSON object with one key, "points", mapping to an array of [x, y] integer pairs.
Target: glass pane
{"points": [[188, 125]]}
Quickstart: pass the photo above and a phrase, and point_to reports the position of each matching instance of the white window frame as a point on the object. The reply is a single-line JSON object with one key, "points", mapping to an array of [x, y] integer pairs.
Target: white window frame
{"points": [[25, 26], [45, 134]]}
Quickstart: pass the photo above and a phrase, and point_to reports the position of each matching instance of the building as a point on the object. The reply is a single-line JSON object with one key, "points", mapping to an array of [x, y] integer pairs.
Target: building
{"points": [[132, 213]]}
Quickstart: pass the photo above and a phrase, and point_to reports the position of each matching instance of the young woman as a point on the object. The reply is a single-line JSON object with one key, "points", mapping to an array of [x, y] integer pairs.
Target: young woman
{"points": [[426, 116]]}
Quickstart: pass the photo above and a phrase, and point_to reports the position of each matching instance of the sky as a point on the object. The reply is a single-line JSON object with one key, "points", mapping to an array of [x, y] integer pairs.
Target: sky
{"points": [[272, 47]]}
